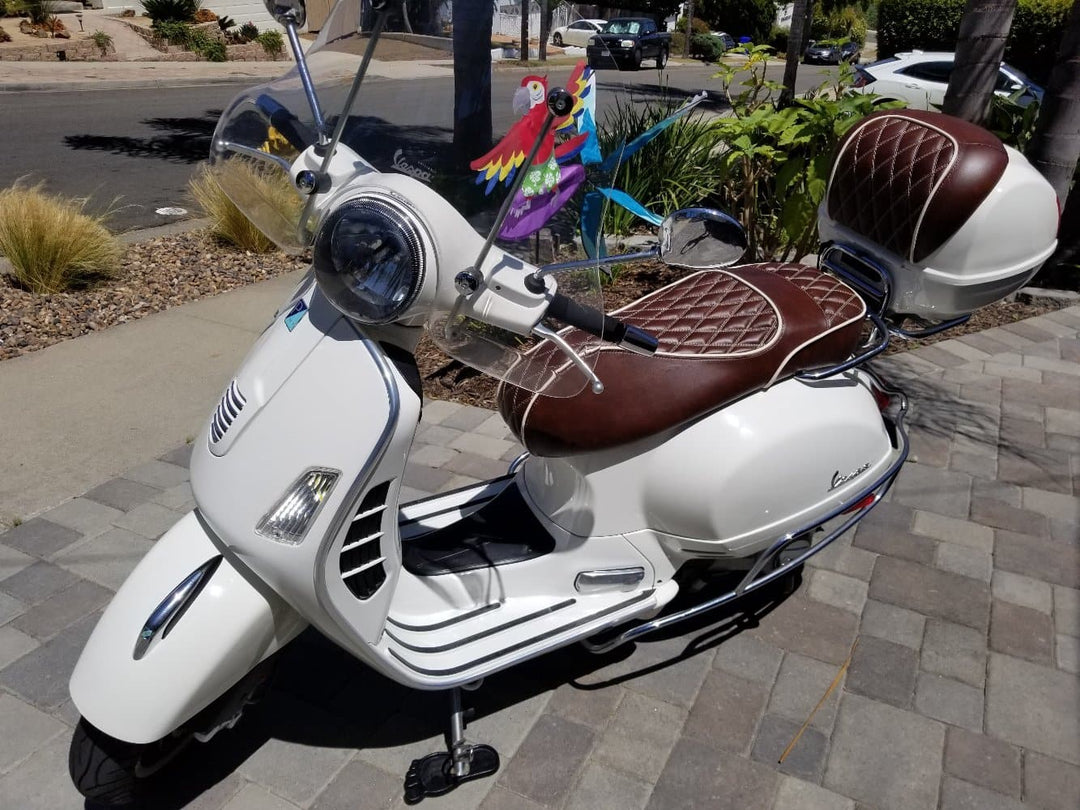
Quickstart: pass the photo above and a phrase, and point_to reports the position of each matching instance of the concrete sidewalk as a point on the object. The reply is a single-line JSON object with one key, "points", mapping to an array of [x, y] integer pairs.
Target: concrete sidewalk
{"points": [[961, 596]]}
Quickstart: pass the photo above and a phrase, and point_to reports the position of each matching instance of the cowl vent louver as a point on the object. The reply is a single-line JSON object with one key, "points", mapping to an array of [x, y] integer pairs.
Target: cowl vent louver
{"points": [[361, 561], [226, 412]]}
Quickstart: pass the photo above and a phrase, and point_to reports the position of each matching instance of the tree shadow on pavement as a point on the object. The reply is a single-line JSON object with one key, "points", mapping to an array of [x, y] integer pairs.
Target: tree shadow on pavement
{"points": [[185, 139]]}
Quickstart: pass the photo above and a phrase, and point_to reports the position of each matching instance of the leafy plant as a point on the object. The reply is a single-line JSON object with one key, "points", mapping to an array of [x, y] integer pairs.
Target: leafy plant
{"points": [[674, 170], [171, 10], [706, 47], [224, 23], [272, 41], [212, 50], [40, 11], [247, 32], [102, 41], [52, 243], [1013, 123], [4, 35], [175, 31], [269, 186], [775, 163]]}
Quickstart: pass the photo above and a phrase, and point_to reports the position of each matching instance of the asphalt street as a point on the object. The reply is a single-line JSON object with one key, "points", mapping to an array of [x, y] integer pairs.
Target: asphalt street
{"points": [[133, 151]]}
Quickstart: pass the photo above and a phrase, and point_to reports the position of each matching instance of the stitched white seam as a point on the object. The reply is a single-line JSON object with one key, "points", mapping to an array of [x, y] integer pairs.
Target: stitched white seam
{"points": [[816, 337]]}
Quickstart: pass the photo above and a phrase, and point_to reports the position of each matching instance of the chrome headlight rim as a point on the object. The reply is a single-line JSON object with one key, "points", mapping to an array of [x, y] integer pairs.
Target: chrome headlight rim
{"points": [[401, 222]]}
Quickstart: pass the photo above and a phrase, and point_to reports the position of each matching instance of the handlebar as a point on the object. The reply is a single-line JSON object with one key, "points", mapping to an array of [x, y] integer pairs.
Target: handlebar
{"points": [[605, 327]]}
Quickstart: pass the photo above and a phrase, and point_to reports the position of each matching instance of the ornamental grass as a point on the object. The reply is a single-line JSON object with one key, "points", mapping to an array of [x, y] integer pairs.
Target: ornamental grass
{"points": [[52, 243]]}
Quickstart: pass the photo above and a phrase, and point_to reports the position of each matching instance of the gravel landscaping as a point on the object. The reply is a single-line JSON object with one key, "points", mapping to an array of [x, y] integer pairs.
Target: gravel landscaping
{"points": [[154, 276]]}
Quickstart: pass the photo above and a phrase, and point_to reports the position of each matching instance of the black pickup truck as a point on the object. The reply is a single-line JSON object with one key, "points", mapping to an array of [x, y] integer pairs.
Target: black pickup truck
{"points": [[628, 40]]}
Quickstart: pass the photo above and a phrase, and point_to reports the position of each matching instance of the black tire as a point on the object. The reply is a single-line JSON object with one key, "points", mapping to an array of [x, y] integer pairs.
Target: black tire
{"points": [[110, 771], [635, 59], [557, 40], [103, 768], [661, 59]]}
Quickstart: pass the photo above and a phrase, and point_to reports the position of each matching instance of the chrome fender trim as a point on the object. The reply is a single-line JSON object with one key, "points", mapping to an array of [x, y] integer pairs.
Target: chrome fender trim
{"points": [[228, 627]]}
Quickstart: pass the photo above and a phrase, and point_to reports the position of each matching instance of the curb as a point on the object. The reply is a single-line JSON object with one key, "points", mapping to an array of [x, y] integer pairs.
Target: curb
{"points": [[119, 84]]}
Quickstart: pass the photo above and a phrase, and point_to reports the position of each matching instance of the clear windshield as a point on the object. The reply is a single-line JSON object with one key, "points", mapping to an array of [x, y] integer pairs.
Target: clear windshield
{"points": [[451, 106]]}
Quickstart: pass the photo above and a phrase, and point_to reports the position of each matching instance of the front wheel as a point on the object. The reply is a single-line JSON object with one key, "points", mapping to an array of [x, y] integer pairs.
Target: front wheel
{"points": [[635, 59], [661, 59], [557, 40], [109, 771]]}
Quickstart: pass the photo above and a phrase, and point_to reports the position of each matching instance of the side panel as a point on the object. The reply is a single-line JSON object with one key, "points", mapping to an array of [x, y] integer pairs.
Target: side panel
{"points": [[731, 482], [233, 623]]}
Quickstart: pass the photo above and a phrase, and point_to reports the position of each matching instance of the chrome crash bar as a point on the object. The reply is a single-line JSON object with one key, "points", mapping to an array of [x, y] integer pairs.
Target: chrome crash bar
{"points": [[757, 577]]}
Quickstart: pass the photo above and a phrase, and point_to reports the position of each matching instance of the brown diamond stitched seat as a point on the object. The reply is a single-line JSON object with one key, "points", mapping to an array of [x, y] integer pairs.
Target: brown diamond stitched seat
{"points": [[723, 334]]}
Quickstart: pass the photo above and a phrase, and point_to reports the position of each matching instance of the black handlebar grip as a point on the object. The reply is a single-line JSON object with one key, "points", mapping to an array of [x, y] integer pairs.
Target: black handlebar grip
{"points": [[602, 326]]}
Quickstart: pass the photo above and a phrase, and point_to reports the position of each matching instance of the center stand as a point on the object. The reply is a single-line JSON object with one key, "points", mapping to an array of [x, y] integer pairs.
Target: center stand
{"points": [[442, 771]]}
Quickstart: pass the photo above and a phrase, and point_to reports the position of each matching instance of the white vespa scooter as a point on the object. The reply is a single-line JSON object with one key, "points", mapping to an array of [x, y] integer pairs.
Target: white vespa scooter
{"points": [[725, 422]]}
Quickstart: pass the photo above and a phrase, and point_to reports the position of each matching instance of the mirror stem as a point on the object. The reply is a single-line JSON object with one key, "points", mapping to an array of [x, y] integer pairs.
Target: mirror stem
{"points": [[305, 79]]}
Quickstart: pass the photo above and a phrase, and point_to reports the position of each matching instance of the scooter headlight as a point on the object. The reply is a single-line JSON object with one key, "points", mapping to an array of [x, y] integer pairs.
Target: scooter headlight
{"points": [[369, 260]]}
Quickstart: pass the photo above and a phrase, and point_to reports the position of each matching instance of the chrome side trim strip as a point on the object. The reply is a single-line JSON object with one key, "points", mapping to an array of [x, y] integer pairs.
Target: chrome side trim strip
{"points": [[169, 610], [345, 512], [524, 644], [461, 642], [464, 617]]}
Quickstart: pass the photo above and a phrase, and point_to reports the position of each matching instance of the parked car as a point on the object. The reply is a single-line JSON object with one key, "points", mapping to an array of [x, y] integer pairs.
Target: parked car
{"points": [[832, 52], [577, 33], [727, 40], [626, 41], [920, 79]]}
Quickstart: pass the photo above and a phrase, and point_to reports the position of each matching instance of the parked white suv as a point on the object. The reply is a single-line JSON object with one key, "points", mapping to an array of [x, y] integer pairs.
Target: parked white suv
{"points": [[920, 79]]}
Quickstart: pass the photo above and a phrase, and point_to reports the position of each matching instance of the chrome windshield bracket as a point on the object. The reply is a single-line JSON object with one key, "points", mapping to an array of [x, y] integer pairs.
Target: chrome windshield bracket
{"points": [[305, 79], [257, 154], [548, 334]]}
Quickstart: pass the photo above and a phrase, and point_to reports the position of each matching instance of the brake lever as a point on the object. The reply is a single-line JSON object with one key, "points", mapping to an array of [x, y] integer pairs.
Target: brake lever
{"points": [[542, 331]]}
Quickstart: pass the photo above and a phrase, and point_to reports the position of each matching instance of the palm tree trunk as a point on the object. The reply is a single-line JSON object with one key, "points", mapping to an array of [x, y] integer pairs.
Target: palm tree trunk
{"points": [[524, 31], [794, 52], [979, 51], [472, 79], [1055, 149], [546, 10]]}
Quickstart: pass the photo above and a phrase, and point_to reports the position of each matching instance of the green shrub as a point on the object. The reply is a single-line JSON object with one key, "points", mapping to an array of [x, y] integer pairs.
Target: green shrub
{"points": [[176, 32], [212, 50], [929, 25], [51, 243], [706, 47], [933, 25], [841, 24], [697, 26], [272, 41], [751, 18], [778, 39], [1036, 36], [39, 11], [102, 41], [247, 32], [171, 10], [775, 164]]}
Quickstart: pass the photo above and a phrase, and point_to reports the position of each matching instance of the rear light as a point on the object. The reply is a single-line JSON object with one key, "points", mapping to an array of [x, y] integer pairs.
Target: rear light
{"points": [[865, 502], [882, 399], [862, 78]]}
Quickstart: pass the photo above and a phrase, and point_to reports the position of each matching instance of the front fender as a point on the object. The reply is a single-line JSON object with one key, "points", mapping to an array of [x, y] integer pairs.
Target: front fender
{"points": [[232, 623]]}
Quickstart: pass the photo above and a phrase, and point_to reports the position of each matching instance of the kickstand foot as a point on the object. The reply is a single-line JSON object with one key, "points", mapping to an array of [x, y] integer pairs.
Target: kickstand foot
{"points": [[442, 771]]}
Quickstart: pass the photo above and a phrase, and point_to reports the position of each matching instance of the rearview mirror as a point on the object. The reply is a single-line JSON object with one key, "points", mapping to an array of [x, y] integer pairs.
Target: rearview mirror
{"points": [[701, 239], [287, 11]]}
